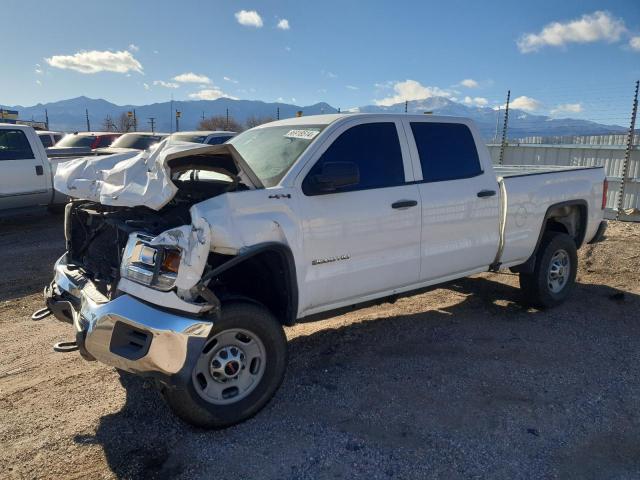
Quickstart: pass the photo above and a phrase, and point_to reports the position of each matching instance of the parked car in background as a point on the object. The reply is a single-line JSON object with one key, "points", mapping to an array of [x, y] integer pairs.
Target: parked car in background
{"points": [[133, 141], [79, 143], [49, 138], [26, 174], [189, 280], [210, 137]]}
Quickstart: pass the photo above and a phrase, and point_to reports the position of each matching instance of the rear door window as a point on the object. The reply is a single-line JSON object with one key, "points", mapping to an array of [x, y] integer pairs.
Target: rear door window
{"points": [[14, 145], [374, 148], [447, 151]]}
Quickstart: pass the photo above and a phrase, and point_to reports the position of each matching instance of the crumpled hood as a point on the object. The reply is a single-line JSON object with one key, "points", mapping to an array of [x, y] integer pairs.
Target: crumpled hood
{"points": [[137, 178]]}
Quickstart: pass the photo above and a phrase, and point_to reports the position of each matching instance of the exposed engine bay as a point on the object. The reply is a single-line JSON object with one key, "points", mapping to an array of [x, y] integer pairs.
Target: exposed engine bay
{"points": [[154, 248]]}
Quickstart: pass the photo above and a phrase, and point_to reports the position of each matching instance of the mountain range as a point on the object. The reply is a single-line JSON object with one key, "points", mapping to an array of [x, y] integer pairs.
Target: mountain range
{"points": [[69, 115]]}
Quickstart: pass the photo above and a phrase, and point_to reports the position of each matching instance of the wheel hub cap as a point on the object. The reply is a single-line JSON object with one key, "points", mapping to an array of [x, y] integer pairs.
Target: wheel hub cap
{"points": [[227, 363], [559, 271], [230, 367]]}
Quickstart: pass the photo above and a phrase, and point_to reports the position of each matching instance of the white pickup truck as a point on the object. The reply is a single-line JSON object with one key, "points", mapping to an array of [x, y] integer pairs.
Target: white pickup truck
{"points": [[184, 263], [26, 174]]}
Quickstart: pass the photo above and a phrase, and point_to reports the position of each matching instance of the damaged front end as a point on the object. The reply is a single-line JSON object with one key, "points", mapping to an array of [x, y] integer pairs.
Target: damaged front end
{"points": [[131, 281]]}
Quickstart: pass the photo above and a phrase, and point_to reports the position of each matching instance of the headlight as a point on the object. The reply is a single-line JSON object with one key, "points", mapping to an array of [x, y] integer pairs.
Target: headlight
{"points": [[153, 266]]}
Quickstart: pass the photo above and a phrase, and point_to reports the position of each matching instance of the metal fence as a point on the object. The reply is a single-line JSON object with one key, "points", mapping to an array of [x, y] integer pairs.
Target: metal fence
{"points": [[596, 150]]}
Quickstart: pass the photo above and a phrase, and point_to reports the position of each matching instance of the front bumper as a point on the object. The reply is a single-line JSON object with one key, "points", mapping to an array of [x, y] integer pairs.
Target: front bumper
{"points": [[124, 332]]}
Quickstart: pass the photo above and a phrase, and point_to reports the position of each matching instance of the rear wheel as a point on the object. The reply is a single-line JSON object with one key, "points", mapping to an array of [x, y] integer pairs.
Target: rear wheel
{"points": [[238, 371], [554, 273]]}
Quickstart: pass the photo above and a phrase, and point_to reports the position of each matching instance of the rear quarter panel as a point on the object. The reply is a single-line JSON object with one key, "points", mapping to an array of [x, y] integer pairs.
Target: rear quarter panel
{"points": [[529, 197]]}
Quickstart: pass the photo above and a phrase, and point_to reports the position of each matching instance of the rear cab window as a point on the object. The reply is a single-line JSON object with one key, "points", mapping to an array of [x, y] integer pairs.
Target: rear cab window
{"points": [[374, 148], [46, 140], [447, 151], [14, 145]]}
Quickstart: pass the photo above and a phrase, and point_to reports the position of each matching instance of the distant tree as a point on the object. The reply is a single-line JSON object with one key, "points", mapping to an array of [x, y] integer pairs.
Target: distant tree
{"points": [[123, 123], [107, 124], [219, 122], [254, 121]]}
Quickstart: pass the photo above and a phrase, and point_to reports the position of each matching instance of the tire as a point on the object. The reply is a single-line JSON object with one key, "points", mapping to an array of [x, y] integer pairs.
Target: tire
{"points": [[541, 288], [262, 361]]}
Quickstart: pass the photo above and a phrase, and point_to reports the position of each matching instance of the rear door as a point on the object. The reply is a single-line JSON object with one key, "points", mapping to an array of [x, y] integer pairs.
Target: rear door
{"points": [[23, 181], [363, 239], [459, 195]]}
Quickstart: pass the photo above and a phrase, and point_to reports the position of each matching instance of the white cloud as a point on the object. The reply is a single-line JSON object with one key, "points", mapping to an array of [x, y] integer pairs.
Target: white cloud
{"points": [[411, 90], [469, 83], [594, 27], [38, 82], [133, 47], [210, 94], [634, 43], [156, 52], [525, 103], [288, 49], [249, 18], [229, 79], [283, 24], [95, 61], [164, 84], [475, 101], [352, 87], [567, 108], [191, 77], [38, 69], [146, 86]]}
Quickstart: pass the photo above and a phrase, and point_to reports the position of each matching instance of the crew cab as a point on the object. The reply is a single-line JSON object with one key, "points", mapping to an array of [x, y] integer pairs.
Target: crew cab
{"points": [[26, 174], [188, 278], [210, 137]]}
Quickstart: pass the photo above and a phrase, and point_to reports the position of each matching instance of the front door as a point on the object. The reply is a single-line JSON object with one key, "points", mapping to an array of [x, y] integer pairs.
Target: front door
{"points": [[361, 239]]}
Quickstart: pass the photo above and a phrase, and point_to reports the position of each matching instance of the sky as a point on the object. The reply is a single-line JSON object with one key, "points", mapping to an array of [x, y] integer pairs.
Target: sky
{"points": [[575, 58]]}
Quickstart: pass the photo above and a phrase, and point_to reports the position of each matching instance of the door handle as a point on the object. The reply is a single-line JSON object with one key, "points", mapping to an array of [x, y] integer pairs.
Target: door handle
{"points": [[404, 204], [39, 170], [486, 193]]}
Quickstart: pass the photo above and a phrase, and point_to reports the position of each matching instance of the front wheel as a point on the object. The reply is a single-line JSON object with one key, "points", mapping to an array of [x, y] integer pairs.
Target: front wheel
{"points": [[238, 371], [554, 273]]}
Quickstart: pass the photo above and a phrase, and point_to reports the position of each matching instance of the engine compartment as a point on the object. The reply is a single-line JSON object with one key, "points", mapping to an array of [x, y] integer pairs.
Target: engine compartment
{"points": [[97, 234]]}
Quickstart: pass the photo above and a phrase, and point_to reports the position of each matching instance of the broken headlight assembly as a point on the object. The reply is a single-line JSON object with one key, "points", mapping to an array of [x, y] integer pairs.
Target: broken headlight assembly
{"points": [[155, 266]]}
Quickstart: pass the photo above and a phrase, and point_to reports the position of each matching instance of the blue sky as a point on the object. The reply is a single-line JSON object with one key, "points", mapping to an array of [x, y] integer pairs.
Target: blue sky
{"points": [[347, 53]]}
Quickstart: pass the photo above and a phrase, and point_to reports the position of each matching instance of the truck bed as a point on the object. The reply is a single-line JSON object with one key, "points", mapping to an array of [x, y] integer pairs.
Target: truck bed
{"points": [[508, 171]]}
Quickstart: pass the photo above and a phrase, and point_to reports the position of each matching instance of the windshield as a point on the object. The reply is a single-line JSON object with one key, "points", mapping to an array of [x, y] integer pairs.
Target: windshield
{"points": [[139, 142], [76, 141], [271, 151], [189, 137]]}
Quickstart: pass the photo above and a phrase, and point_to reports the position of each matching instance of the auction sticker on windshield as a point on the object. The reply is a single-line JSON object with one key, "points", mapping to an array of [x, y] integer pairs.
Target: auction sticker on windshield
{"points": [[304, 134]]}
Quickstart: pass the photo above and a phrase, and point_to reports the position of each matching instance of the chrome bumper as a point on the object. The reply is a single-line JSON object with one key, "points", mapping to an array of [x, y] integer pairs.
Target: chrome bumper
{"points": [[125, 332]]}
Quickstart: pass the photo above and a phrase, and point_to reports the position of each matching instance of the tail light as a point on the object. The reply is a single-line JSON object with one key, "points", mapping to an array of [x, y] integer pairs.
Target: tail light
{"points": [[605, 189]]}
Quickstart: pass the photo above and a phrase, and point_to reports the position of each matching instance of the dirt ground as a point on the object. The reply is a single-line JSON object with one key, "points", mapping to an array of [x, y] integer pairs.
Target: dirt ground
{"points": [[458, 382]]}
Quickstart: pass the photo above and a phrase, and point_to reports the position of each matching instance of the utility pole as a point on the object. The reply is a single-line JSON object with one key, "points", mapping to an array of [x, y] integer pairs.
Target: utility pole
{"points": [[627, 153], [135, 121], [406, 106], [178, 113], [338, 109], [278, 113], [86, 112], [152, 121], [503, 144], [226, 125], [46, 118], [203, 115]]}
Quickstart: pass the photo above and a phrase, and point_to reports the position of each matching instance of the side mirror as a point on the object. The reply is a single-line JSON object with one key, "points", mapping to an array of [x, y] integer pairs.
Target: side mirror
{"points": [[334, 176]]}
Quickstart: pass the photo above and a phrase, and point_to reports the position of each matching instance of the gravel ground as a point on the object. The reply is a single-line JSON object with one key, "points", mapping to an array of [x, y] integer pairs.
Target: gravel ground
{"points": [[458, 382]]}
